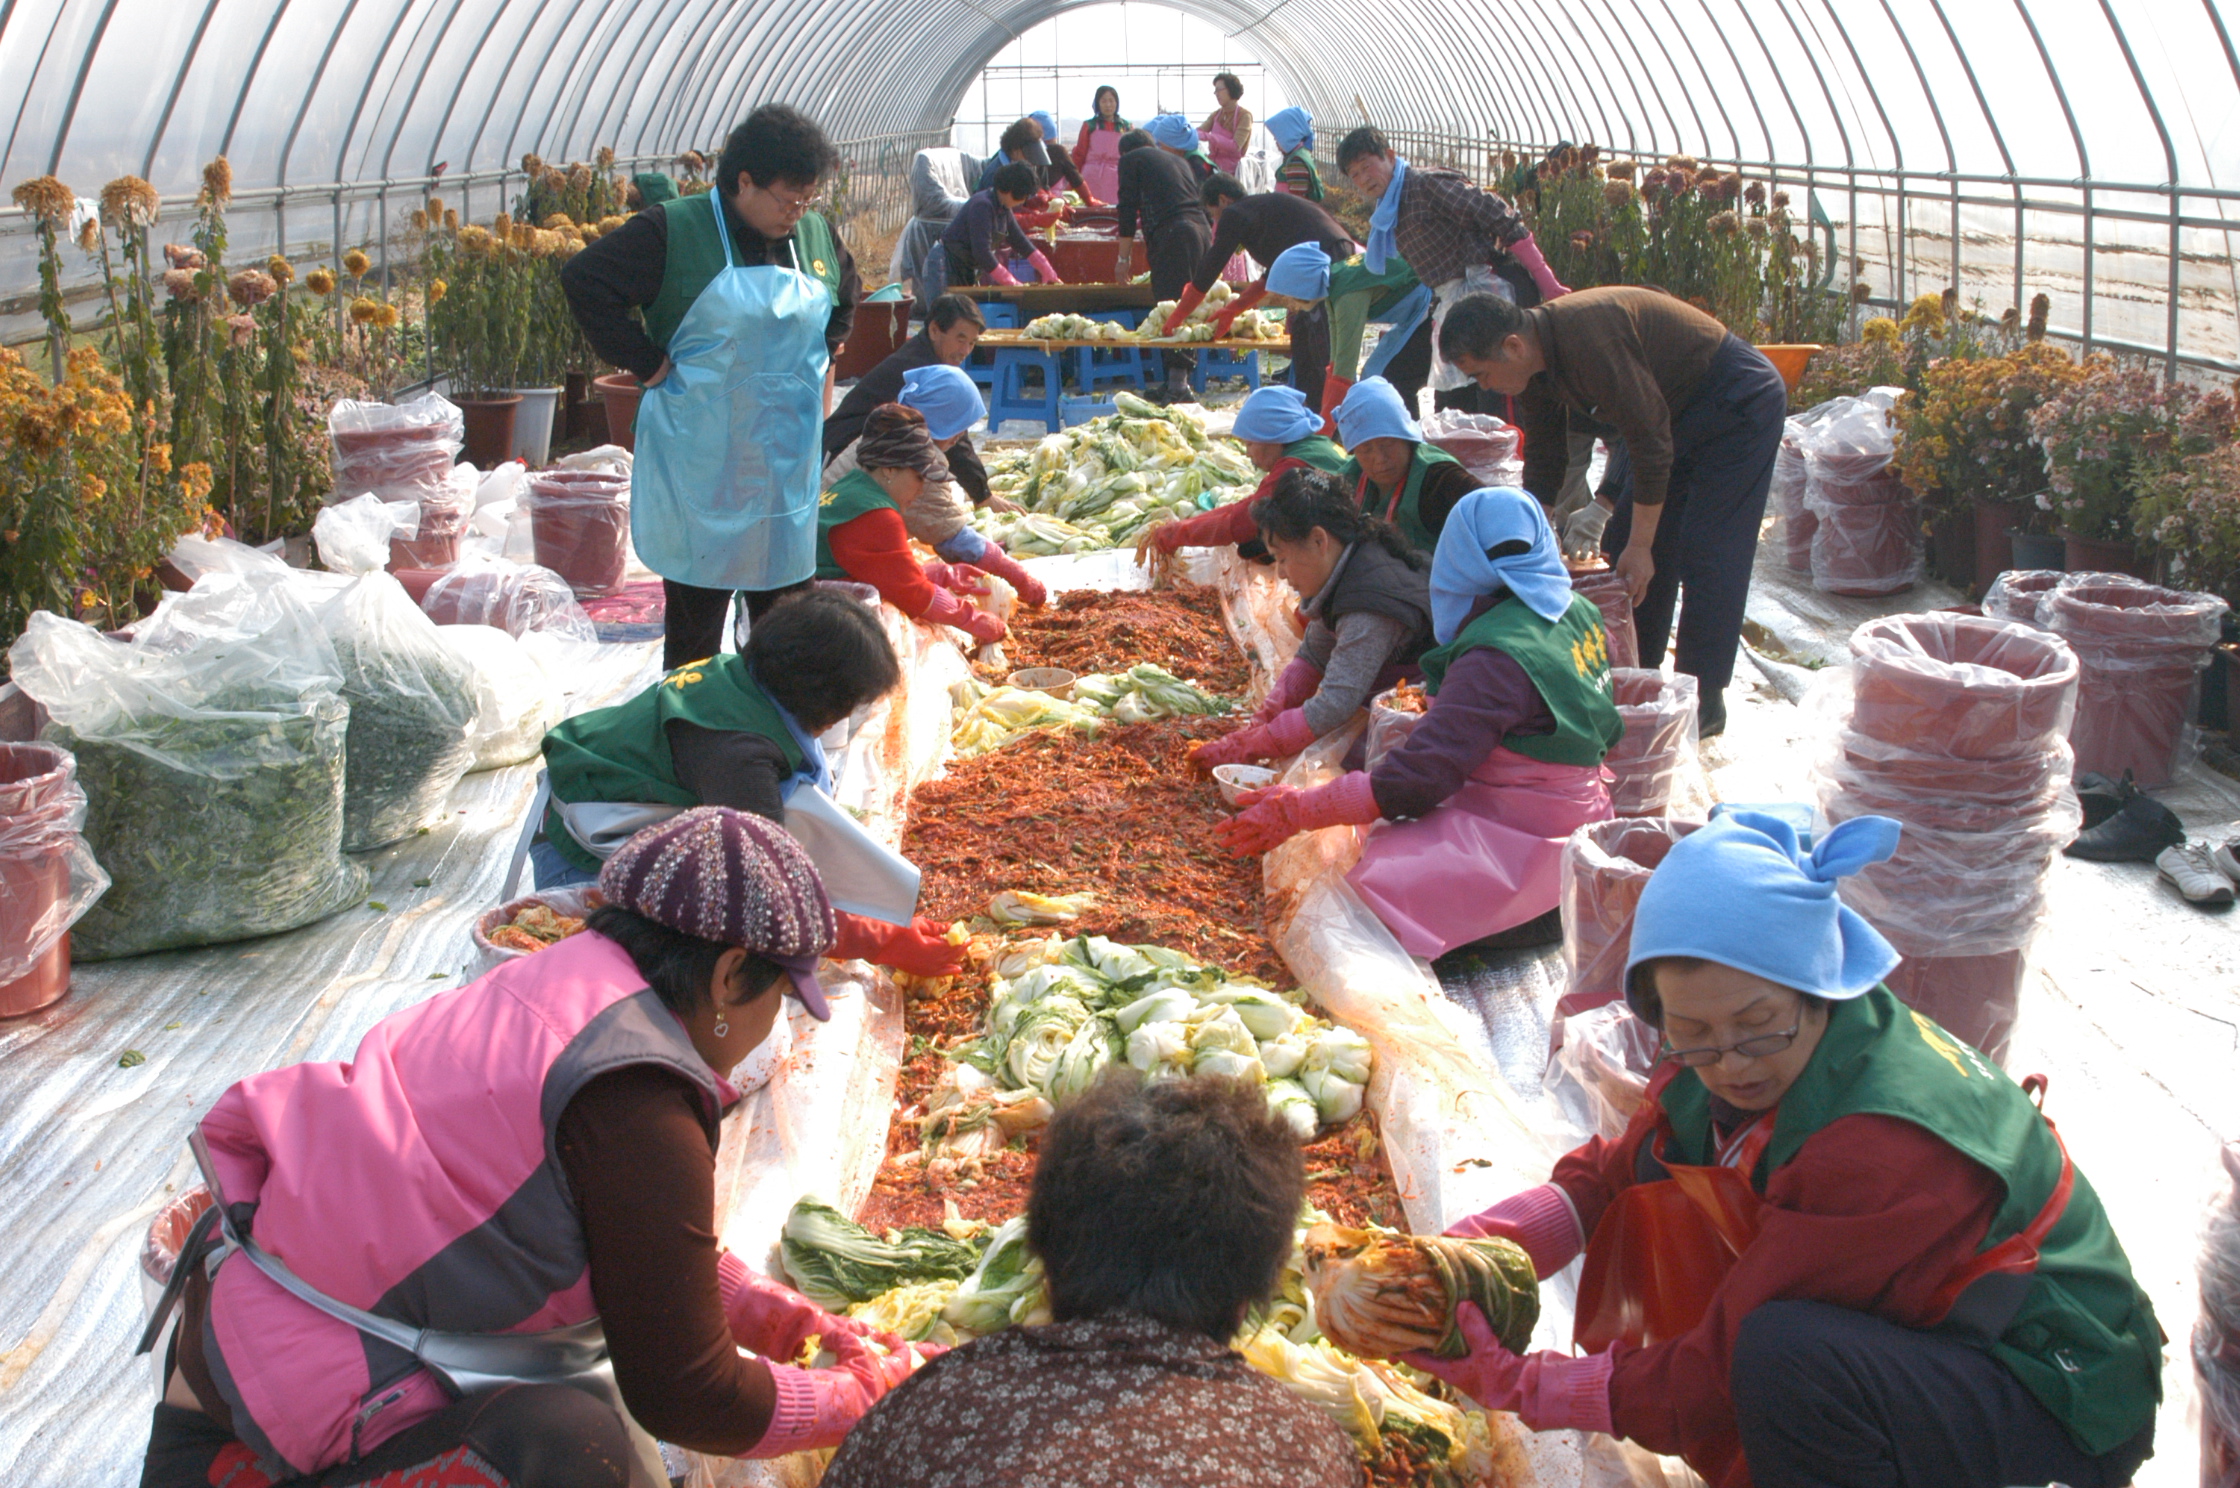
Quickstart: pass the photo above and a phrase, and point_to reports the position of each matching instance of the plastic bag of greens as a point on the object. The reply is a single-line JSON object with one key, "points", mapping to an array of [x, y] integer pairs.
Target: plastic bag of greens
{"points": [[515, 699], [412, 699], [210, 748]]}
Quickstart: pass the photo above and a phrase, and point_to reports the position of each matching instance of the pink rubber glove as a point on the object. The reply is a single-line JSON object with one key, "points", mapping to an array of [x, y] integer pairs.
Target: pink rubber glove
{"points": [[1293, 685], [1546, 1390], [921, 947], [1043, 272], [958, 578], [947, 609], [771, 1319], [1032, 593], [1002, 275], [1527, 252], [1539, 1219], [1281, 812], [817, 1407], [1243, 301], [1285, 734]]}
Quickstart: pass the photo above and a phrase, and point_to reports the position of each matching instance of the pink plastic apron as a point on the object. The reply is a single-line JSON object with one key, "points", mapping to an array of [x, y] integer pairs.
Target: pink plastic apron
{"points": [[1101, 171], [1485, 859], [1222, 146]]}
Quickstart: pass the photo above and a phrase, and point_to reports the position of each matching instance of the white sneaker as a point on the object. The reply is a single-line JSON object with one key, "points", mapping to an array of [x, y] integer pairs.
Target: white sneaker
{"points": [[2226, 857], [2193, 872]]}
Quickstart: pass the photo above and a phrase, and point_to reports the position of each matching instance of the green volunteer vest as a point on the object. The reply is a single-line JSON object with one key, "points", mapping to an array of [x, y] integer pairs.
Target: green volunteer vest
{"points": [[1318, 450], [622, 753], [1568, 660], [1408, 516], [2085, 1341], [850, 497], [695, 257], [1357, 297], [1304, 158]]}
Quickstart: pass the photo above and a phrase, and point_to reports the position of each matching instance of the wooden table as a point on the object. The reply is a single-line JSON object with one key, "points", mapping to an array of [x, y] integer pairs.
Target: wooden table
{"points": [[1036, 300], [996, 340]]}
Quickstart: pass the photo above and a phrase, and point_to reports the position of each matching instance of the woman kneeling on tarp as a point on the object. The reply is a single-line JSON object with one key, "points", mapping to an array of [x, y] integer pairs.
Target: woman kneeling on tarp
{"points": [[1478, 801], [1368, 608], [861, 534], [1836, 1246], [427, 1251]]}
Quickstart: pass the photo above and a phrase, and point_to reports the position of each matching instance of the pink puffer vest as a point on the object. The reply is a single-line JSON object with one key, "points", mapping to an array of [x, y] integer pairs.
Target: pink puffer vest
{"points": [[420, 1181]]}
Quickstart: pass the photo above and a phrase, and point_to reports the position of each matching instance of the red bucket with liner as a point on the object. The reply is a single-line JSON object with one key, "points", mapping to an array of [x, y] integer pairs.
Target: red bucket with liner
{"points": [[1797, 520], [1868, 538], [1606, 865], [45, 884], [2142, 648], [2017, 595], [1961, 685], [1608, 591], [1973, 998], [580, 521], [1659, 712]]}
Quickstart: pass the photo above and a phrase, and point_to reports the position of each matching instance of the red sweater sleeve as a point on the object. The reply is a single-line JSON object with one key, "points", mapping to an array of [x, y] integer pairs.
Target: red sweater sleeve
{"points": [[875, 549], [1873, 1214], [1225, 526]]}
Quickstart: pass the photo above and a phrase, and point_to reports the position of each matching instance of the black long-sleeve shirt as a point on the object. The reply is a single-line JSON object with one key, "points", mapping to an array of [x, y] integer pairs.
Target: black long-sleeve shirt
{"points": [[1265, 225], [622, 271], [971, 234], [883, 384], [1158, 187]]}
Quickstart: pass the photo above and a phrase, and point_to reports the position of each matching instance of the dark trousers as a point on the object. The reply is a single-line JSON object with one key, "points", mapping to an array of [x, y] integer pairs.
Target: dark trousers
{"points": [[1310, 353], [692, 618], [1174, 251], [520, 1436], [1723, 444], [1830, 1398], [1410, 368]]}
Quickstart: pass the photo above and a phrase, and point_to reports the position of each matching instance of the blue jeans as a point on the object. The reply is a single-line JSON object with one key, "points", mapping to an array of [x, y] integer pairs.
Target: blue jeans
{"points": [[553, 871]]}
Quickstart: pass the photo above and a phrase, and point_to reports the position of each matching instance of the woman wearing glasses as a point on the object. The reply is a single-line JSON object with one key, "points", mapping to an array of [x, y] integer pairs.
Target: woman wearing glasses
{"points": [[1836, 1246], [742, 296]]}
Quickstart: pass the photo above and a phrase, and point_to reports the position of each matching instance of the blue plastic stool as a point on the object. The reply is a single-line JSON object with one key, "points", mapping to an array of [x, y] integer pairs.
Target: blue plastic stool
{"points": [[1009, 398], [998, 315], [1099, 366], [1225, 362]]}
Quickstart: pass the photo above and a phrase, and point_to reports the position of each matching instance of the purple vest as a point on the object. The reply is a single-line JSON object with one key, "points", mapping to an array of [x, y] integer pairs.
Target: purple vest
{"points": [[419, 1181]]}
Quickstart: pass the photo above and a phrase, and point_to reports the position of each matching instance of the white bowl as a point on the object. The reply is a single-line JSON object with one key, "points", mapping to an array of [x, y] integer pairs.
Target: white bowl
{"points": [[1234, 780]]}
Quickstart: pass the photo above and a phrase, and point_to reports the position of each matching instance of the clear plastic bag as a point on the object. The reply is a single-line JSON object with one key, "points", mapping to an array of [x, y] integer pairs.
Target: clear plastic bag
{"points": [[1658, 749], [1610, 596], [2216, 1336], [210, 748], [516, 700], [1490, 449], [1866, 539], [1606, 865], [195, 555], [48, 875], [579, 521], [1961, 685], [2019, 595], [2143, 649], [1598, 1072], [1389, 728], [518, 598], [412, 699], [397, 451], [1793, 522], [441, 520]]}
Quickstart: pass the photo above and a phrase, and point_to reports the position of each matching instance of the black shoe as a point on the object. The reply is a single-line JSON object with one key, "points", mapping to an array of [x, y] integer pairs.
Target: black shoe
{"points": [[2102, 797], [2141, 828], [1711, 715]]}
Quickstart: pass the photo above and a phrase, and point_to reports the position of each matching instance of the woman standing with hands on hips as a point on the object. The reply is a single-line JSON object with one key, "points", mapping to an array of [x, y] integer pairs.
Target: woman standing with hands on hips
{"points": [[1836, 1247], [1097, 151]]}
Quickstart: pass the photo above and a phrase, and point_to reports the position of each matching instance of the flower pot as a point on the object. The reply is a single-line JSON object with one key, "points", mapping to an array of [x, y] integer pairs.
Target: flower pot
{"points": [[1952, 549], [620, 392], [1606, 865], [1789, 359], [2098, 555], [575, 397], [2039, 552], [48, 877], [1608, 592], [1958, 685], [580, 521], [533, 424], [1659, 713], [2142, 648], [1994, 523], [490, 424]]}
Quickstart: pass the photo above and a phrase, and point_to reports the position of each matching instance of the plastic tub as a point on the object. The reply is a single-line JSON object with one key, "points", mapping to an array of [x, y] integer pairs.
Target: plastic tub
{"points": [[517, 598], [1973, 998], [2142, 650], [1608, 592], [2017, 595], [1797, 520], [580, 521], [1960, 685], [1868, 538], [48, 877], [397, 451], [1659, 742], [1606, 865]]}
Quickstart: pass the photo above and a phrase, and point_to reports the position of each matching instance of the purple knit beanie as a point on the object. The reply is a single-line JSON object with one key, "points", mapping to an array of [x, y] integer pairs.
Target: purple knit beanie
{"points": [[732, 878]]}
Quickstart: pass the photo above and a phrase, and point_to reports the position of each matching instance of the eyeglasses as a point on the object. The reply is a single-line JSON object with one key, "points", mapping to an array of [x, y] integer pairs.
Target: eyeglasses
{"points": [[1761, 1047], [791, 203]]}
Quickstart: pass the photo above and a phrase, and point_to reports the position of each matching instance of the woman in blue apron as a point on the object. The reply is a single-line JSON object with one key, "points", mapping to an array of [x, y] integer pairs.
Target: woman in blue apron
{"points": [[745, 295]]}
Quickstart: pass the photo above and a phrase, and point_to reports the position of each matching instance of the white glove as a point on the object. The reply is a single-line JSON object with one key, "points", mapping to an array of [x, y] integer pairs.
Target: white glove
{"points": [[1582, 534]]}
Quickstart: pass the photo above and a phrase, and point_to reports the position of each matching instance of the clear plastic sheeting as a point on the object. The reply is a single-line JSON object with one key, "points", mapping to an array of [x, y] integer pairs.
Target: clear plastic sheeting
{"points": [[397, 451], [48, 876], [1605, 867], [2143, 648], [515, 701], [2216, 1336], [1654, 762], [1599, 1073], [2019, 595], [1866, 536], [1490, 449], [518, 598]]}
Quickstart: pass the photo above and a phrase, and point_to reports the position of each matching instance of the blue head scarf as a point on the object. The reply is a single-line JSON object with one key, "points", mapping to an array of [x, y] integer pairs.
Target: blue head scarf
{"points": [[1462, 574], [1383, 244], [1301, 272], [1374, 410], [1048, 124], [1741, 892], [946, 395], [1276, 415], [1291, 128], [1175, 132]]}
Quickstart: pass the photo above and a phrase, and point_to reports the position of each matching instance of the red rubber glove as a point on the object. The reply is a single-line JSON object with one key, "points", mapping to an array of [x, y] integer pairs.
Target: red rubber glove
{"points": [[1539, 1219], [1296, 683], [1002, 275], [818, 1407], [772, 1319], [1527, 252], [1285, 734], [1274, 816], [1192, 298], [920, 947], [1547, 1391], [1032, 592], [1042, 268], [957, 578], [1334, 390], [1236, 307], [947, 609]]}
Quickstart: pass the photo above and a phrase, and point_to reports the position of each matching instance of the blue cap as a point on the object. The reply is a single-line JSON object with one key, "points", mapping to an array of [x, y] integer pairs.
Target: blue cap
{"points": [[1743, 892], [1373, 410], [946, 395], [1301, 272], [1276, 415], [1175, 132], [1463, 569], [1290, 128], [1049, 125]]}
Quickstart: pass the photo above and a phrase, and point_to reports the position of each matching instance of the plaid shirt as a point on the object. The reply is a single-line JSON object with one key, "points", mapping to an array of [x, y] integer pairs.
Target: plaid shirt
{"points": [[1446, 225]]}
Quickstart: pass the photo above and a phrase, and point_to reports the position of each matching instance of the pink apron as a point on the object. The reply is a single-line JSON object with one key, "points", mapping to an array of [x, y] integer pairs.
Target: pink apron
{"points": [[1101, 171], [1485, 859], [1222, 146]]}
